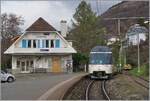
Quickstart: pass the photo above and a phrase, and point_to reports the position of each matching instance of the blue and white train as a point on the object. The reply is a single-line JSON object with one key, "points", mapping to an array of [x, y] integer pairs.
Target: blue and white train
{"points": [[100, 62]]}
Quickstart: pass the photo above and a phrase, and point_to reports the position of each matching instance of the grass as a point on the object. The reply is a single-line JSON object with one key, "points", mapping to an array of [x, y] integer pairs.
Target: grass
{"points": [[143, 71]]}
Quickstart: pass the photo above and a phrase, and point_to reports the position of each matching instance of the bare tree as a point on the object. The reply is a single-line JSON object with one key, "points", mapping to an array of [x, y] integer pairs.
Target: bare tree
{"points": [[10, 25]]}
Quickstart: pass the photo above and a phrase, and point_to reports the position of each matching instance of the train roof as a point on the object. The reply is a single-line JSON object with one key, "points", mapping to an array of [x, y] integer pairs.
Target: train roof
{"points": [[101, 49]]}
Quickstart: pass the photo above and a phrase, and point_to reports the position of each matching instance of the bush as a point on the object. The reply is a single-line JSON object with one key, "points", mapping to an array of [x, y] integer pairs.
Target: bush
{"points": [[143, 71], [132, 54], [115, 47], [79, 61]]}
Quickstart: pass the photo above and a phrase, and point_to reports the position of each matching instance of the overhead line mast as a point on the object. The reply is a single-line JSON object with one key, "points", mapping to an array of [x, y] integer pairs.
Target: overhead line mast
{"points": [[119, 32], [97, 6]]}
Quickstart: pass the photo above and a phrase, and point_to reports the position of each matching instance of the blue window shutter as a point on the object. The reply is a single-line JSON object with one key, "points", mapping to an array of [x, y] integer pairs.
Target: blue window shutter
{"points": [[57, 43], [24, 43], [39, 44]]}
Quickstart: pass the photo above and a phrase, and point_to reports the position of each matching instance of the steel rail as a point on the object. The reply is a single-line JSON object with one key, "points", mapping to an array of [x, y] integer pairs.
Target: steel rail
{"points": [[104, 89], [103, 83], [88, 89]]}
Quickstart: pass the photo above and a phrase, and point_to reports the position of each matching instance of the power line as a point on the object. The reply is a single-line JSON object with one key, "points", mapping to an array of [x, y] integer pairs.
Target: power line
{"points": [[119, 25], [124, 18]]}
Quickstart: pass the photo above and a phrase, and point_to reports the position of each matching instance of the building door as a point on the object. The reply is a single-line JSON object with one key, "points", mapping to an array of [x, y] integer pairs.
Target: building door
{"points": [[56, 67], [24, 66]]}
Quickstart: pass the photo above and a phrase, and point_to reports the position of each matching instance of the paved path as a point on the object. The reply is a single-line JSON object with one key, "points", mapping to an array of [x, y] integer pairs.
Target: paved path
{"points": [[31, 87]]}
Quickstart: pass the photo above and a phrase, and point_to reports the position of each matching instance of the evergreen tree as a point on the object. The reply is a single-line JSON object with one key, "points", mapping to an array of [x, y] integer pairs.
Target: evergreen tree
{"points": [[141, 22], [86, 32]]}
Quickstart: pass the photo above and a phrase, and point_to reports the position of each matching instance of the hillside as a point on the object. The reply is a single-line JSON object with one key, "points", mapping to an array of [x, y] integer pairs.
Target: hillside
{"points": [[124, 9]]}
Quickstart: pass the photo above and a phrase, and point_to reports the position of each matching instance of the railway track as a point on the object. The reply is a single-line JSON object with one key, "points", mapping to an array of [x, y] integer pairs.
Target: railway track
{"points": [[141, 84], [88, 90], [126, 73], [139, 80], [143, 79], [102, 90]]}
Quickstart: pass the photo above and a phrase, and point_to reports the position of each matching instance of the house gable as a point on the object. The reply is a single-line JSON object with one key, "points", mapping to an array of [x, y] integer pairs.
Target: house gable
{"points": [[34, 41], [41, 25], [41, 36]]}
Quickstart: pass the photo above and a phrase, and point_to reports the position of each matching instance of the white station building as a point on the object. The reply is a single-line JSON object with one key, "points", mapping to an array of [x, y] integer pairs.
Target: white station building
{"points": [[42, 48]]}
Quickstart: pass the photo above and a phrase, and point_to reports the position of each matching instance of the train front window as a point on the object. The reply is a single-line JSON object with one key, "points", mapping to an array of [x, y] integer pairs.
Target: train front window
{"points": [[101, 58]]}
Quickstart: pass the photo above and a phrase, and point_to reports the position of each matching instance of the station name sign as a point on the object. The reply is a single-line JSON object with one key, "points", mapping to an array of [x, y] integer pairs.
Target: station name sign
{"points": [[45, 50]]}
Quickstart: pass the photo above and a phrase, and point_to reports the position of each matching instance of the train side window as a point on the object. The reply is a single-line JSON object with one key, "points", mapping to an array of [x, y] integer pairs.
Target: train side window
{"points": [[100, 61]]}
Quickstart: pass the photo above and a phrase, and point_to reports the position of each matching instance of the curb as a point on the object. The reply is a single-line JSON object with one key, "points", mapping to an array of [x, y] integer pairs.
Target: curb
{"points": [[58, 91]]}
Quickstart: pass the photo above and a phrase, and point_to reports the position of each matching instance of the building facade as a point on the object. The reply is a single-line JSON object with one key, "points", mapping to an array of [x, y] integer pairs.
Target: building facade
{"points": [[41, 48], [135, 34]]}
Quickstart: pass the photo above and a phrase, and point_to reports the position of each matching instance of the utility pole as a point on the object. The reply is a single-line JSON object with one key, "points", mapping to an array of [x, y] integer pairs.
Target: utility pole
{"points": [[138, 52], [120, 52], [119, 33], [97, 6]]}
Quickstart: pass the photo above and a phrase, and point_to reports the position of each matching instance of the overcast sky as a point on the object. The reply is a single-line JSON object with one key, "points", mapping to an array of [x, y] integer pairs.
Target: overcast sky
{"points": [[51, 11]]}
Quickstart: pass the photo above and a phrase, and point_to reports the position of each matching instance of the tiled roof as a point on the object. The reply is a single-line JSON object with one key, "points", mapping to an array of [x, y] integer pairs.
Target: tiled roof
{"points": [[15, 38], [41, 25]]}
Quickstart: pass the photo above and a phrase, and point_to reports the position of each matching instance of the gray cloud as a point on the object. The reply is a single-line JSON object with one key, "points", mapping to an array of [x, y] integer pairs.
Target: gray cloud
{"points": [[52, 11]]}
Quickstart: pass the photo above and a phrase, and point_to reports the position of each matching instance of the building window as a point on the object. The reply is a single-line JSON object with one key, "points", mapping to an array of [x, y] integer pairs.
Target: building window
{"points": [[18, 64], [47, 43], [46, 33], [57, 43], [24, 43], [34, 44], [29, 43], [52, 43]]}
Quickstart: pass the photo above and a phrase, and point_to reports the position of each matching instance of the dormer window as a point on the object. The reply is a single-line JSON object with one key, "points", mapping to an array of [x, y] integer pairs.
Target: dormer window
{"points": [[52, 43], [43, 43], [47, 43], [37, 43], [46, 33], [29, 43], [34, 44]]}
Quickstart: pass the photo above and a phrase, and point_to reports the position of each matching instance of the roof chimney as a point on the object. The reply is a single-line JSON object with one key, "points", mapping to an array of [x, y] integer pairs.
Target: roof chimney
{"points": [[63, 25]]}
